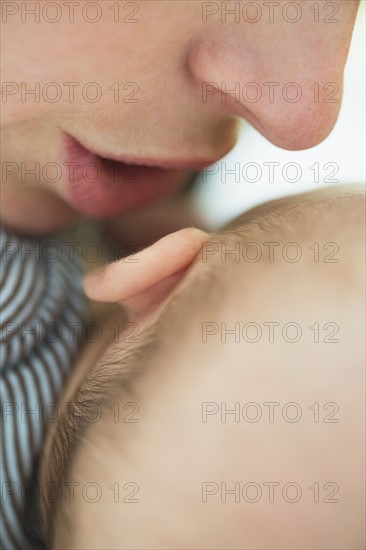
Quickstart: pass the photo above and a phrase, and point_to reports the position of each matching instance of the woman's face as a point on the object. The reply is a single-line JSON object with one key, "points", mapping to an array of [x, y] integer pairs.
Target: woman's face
{"points": [[110, 105]]}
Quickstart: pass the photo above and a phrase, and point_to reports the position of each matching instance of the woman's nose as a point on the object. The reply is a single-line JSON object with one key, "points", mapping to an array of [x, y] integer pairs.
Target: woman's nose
{"points": [[285, 80]]}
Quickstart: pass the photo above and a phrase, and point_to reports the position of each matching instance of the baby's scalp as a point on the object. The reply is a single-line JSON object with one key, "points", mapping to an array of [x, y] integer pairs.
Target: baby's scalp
{"points": [[151, 376]]}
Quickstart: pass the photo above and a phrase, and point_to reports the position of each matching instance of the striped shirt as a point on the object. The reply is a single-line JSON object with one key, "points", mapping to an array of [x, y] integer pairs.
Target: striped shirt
{"points": [[42, 309]]}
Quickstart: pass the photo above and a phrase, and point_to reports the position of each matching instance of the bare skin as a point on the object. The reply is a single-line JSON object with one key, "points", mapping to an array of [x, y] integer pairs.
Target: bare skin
{"points": [[177, 123], [178, 462]]}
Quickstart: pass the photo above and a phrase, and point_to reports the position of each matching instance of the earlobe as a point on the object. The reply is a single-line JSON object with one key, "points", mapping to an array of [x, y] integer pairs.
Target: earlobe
{"points": [[144, 284]]}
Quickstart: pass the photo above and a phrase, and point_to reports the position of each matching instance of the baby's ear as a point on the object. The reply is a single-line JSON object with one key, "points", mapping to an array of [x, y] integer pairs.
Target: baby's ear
{"points": [[144, 281]]}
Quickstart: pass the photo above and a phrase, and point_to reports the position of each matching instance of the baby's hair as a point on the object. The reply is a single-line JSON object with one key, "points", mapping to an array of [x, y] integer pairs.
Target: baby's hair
{"points": [[106, 378]]}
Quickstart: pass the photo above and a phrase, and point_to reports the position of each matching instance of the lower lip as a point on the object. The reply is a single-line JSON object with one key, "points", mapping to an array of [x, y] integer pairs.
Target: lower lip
{"points": [[99, 187]]}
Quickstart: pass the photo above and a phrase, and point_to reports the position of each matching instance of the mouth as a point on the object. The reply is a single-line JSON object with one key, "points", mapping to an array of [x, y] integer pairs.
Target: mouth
{"points": [[102, 185]]}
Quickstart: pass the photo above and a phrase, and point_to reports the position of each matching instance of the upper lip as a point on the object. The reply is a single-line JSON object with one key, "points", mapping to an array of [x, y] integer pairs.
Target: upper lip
{"points": [[150, 162]]}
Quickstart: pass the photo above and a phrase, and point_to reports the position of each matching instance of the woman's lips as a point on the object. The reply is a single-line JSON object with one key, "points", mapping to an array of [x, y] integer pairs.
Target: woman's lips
{"points": [[101, 187]]}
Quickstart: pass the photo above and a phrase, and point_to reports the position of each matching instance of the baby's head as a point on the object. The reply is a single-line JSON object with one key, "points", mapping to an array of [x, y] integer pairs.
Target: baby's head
{"points": [[228, 413]]}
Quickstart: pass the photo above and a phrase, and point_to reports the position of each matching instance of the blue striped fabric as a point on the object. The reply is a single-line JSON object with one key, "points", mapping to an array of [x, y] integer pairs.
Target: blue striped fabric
{"points": [[42, 309]]}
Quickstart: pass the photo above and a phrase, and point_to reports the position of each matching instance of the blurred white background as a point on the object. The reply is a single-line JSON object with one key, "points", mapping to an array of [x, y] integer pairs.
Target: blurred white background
{"points": [[220, 198]]}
